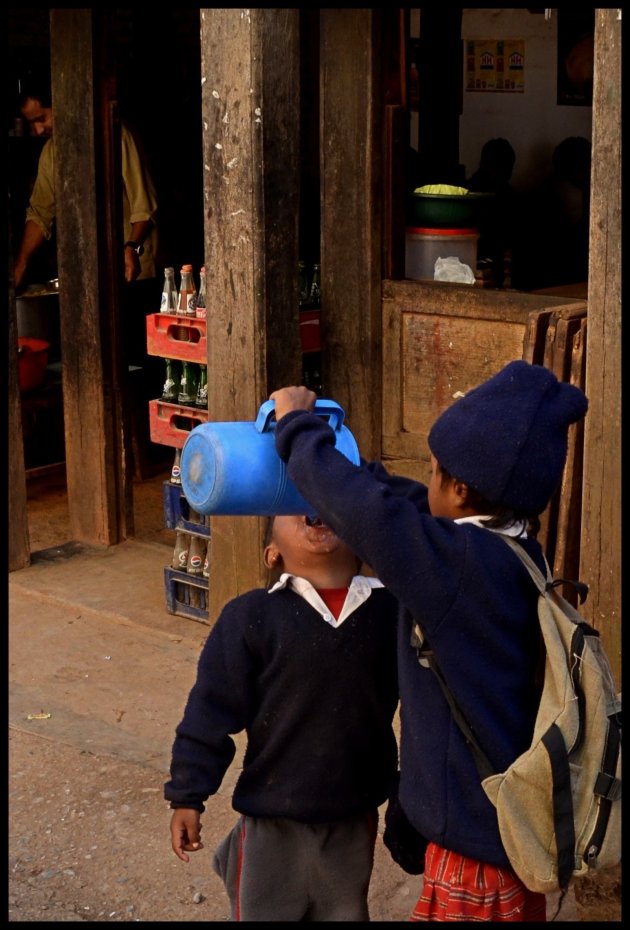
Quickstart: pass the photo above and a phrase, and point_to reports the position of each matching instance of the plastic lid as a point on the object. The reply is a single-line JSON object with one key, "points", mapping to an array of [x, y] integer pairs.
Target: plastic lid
{"points": [[442, 232]]}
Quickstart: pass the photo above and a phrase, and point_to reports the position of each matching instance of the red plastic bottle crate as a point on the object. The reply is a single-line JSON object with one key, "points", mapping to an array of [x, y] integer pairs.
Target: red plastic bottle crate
{"points": [[310, 337], [174, 336], [170, 424]]}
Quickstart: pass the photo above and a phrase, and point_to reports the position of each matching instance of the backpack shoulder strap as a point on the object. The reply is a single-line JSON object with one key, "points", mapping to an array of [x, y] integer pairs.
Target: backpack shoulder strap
{"points": [[544, 585], [484, 766], [538, 578]]}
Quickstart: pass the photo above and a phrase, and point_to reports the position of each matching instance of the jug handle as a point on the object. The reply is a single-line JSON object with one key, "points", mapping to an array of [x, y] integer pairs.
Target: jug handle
{"points": [[323, 407]]}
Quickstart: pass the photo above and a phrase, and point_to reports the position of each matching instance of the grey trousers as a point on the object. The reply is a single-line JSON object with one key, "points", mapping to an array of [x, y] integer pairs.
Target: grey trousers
{"points": [[278, 869]]}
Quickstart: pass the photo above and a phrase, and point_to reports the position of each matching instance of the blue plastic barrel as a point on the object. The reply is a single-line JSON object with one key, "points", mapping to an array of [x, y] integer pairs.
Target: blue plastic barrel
{"points": [[234, 469]]}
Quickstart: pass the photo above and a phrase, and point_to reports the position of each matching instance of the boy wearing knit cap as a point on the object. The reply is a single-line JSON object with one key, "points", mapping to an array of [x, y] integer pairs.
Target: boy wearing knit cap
{"points": [[308, 670], [497, 456]]}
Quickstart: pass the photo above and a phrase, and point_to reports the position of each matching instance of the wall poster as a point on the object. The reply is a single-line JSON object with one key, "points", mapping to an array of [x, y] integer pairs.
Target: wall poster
{"points": [[495, 65]]}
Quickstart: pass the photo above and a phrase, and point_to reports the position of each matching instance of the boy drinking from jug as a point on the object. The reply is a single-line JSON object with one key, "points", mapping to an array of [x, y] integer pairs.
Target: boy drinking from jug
{"points": [[497, 456], [308, 670]]}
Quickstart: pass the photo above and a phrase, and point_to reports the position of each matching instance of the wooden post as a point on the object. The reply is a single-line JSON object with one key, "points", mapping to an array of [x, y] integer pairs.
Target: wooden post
{"points": [[86, 243], [251, 118], [600, 562], [396, 123], [18, 539], [351, 210]]}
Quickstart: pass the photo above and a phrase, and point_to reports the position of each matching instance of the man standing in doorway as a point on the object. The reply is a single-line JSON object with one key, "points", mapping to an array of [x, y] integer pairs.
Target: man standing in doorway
{"points": [[142, 290]]}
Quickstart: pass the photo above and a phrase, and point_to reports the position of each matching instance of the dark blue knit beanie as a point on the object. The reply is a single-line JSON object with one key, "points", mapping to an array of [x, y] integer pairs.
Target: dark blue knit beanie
{"points": [[507, 438]]}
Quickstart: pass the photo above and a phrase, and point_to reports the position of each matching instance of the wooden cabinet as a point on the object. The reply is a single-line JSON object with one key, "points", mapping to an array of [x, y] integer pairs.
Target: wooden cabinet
{"points": [[440, 340]]}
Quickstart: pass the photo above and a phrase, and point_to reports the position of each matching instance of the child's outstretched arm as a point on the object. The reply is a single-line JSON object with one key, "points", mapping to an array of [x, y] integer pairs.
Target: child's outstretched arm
{"points": [[185, 832]]}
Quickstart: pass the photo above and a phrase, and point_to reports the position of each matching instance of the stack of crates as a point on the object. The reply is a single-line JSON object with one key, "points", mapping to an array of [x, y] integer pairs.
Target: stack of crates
{"points": [[186, 595], [183, 339], [180, 338]]}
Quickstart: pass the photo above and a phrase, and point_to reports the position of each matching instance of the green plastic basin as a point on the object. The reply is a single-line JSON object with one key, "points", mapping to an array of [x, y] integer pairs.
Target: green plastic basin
{"points": [[448, 210]]}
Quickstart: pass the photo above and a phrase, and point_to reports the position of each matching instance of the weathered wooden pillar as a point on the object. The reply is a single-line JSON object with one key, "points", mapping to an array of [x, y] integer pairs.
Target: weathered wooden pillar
{"points": [[18, 538], [250, 113], [600, 561], [88, 259], [351, 210]]}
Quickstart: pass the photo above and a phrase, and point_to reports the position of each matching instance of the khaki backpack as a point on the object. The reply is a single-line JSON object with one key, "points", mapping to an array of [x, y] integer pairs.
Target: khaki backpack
{"points": [[559, 803]]}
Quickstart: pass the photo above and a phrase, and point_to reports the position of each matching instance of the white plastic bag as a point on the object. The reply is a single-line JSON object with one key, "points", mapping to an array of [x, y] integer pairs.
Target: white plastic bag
{"points": [[452, 269]]}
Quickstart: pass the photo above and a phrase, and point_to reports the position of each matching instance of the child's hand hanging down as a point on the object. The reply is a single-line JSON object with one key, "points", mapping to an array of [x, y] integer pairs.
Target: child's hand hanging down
{"points": [[185, 832]]}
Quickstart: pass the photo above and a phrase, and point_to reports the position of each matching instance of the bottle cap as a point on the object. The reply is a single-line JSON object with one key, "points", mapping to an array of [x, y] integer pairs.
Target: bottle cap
{"points": [[187, 267]]}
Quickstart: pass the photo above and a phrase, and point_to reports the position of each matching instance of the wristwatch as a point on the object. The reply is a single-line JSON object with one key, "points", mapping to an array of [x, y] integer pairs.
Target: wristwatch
{"points": [[136, 246]]}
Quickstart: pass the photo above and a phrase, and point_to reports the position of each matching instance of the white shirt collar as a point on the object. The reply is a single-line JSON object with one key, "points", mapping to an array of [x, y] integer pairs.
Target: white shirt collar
{"points": [[518, 529], [360, 589]]}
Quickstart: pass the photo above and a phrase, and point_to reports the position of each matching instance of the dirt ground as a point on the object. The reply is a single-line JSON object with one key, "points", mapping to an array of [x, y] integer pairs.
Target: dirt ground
{"points": [[99, 672]]}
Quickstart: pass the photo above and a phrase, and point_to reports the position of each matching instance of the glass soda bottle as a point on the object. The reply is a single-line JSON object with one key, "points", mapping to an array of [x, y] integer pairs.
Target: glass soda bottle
{"points": [[315, 293], [196, 555], [200, 304], [187, 292], [302, 283], [187, 385], [170, 391], [180, 552], [201, 400], [176, 470], [169, 292]]}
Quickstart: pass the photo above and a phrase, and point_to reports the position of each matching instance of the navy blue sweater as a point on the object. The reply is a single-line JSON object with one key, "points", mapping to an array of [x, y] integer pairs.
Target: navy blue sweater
{"points": [[317, 703], [476, 604]]}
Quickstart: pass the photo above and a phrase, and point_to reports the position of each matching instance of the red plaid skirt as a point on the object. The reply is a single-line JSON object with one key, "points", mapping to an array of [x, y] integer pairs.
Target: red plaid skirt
{"points": [[458, 888]]}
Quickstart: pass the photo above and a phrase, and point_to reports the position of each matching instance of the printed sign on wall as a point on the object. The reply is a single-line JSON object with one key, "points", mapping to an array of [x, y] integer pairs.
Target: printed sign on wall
{"points": [[495, 65]]}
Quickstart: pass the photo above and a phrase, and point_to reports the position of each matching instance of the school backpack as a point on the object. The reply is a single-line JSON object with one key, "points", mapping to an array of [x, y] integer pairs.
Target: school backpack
{"points": [[559, 803]]}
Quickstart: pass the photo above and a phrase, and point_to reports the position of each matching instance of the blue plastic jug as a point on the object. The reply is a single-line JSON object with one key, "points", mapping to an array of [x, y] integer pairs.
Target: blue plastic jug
{"points": [[234, 469]]}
